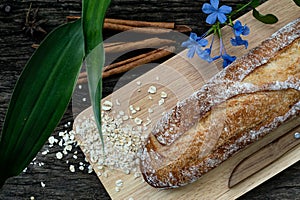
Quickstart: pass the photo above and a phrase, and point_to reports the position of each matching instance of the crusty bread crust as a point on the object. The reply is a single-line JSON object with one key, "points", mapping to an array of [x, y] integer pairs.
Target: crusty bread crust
{"points": [[238, 106]]}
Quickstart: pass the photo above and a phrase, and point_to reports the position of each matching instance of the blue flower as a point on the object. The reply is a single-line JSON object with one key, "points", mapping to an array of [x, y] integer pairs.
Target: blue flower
{"points": [[239, 29], [215, 12], [206, 55], [194, 44], [227, 59], [237, 41]]}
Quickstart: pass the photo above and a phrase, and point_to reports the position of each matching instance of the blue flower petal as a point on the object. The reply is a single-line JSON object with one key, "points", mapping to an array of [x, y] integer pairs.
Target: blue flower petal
{"points": [[186, 43], [194, 36], [214, 3], [239, 29], [238, 41], [208, 9], [225, 9], [204, 55], [246, 30], [227, 59], [191, 52], [221, 17], [237, 24], [212, 18], [203, 42]]}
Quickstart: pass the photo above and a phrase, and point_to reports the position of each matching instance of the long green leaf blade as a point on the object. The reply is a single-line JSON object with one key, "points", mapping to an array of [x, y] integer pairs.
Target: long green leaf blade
{"points": [[40, 98], [93, 13]]}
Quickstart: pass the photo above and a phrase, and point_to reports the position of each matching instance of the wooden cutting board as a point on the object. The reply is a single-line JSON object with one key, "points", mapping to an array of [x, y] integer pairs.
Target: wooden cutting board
{"points": [[179, 77]]}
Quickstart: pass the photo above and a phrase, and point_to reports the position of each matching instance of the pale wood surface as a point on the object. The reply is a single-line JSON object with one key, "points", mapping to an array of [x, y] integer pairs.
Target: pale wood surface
{"points": [[179, 77], [15, 50]]}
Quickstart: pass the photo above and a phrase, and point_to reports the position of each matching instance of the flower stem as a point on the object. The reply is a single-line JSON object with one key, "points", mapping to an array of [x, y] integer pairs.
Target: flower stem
{"points": [[240, 9]]}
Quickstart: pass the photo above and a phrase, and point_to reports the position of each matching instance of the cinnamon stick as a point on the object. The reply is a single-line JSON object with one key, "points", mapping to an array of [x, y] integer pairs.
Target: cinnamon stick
{"points": [[128, 64], [135, 23], [129, 46], [147, 59], [124, 62], [110, 23]]}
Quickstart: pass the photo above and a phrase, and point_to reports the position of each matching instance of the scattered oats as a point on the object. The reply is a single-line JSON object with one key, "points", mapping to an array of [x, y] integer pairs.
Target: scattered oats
{"points": [[150, 97], [45, 152], [72, 168], [119, 183], [61, 134], [163, 113], [51, 140], [118, 102], [127, 171], [133, 111], [137, 175], [43, 184], [163, 95], [138, 121], [75, 152], [85, 159], [105, 174], [75, 157], [66, 137], [131, 107], [65, 151], [121, 112], [94, 158], [67, 161], [90, 169], [117, 189], [80, 87], [68, 147], [131, 198], [152, 89], [161, 102], [83, 99], [32, 198], [139, 90], [150, 110], [157, 78], [107, 105], [81, 163], [138, 108], [148, 121], [139, 83], [81, 167], [100, 167], [60, 143], [99, 173], [125, 117], [24, 170]]}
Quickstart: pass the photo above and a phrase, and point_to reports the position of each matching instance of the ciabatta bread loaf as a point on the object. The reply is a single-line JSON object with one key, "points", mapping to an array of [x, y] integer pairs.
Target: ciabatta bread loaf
{"points": [[238, 106]]}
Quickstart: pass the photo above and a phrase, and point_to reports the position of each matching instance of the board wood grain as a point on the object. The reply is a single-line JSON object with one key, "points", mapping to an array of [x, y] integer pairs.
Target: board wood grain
{"points": [[179, 77]]}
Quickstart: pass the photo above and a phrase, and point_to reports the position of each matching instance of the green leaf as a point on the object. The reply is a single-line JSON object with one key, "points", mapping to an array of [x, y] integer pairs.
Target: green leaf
{"points": [[254, 3], [40, 97], [267, 19], [93, 13], [297, 2]]}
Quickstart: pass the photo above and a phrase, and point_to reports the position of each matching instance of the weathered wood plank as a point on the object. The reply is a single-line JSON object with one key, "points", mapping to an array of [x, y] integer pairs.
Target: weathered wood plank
{"points": [[15, 49]]}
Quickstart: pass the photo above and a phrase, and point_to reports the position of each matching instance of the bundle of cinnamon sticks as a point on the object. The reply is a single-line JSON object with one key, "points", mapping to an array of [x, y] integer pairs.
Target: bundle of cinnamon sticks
{"points": [[163, 47], [140, 26]]}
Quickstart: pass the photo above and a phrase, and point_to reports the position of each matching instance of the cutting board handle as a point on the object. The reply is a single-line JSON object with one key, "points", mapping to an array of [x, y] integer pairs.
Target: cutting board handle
{"points": [[264, 157]]}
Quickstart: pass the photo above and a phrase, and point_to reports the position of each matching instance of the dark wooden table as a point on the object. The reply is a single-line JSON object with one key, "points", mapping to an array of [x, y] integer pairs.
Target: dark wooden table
{"points": [[15, 49]]}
